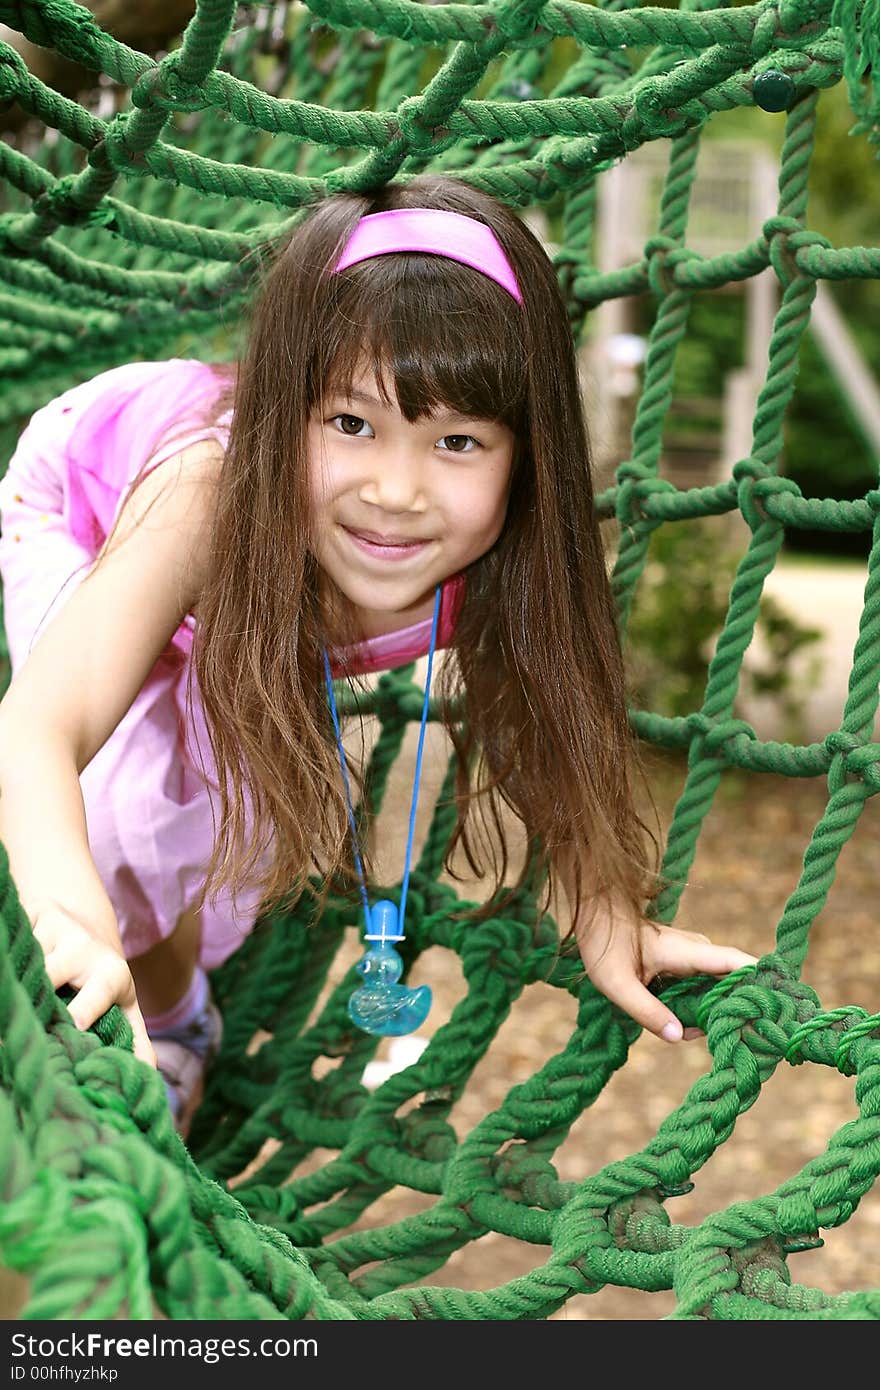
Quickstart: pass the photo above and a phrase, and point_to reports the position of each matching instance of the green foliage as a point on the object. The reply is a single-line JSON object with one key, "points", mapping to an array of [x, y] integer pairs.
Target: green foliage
{"points": [[825, 451], [678, 613], [712, 347]]}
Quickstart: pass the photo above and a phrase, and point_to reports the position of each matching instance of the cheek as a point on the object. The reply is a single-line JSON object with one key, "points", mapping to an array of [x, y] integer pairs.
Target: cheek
{"points": [[480, 514]]}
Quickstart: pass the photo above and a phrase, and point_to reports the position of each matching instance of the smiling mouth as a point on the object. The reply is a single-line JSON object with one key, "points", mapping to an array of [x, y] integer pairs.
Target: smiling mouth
{"points": [[386, 550], [385, 542]]}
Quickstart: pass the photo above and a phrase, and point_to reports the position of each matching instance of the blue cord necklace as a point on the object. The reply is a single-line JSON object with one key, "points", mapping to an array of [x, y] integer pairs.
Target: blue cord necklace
{"points": [[380, 1005]]}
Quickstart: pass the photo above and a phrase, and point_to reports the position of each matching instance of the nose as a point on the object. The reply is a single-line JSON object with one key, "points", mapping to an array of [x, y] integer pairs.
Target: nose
{"points": [[394, 482]]}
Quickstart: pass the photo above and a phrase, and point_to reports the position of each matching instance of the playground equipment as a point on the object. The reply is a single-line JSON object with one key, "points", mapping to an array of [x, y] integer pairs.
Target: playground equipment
{"points": [[136, 229]]}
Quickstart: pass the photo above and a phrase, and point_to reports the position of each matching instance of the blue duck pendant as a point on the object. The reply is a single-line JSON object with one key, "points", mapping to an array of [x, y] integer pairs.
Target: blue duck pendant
{"points": [[380, 1005]]}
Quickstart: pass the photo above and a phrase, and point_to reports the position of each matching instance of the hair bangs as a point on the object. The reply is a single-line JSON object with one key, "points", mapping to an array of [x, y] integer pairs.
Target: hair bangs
{"points": [[434, 333]]}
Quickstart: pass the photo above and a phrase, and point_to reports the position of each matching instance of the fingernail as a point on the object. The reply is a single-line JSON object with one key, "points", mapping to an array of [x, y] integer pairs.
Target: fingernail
{"points": [[673, 1031]]}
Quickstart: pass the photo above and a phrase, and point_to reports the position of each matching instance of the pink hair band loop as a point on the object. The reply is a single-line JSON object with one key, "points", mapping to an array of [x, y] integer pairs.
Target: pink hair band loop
{"points": [[435, 233]]}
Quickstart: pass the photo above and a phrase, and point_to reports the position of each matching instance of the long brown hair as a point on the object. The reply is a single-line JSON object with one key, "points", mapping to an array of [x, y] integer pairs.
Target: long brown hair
{"points": [[532, 688]]}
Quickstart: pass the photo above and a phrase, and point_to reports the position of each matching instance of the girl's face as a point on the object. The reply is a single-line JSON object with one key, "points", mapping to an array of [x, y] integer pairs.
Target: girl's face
{"points": [[399, 507]]}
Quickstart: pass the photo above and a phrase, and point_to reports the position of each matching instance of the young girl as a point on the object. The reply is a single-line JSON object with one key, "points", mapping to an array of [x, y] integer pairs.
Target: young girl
{"points": [[180, 543]]}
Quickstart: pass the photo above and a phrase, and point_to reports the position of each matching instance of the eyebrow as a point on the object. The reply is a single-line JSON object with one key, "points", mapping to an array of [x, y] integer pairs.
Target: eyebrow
{"points": [[380, 405]]}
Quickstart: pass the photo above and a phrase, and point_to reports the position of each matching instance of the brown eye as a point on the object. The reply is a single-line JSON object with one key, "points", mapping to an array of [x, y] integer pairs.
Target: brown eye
{"points": [[351, 425], [458, 443]]}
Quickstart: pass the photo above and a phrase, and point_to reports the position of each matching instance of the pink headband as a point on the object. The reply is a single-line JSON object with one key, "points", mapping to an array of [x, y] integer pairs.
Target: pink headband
{"points": [[434, 232]]}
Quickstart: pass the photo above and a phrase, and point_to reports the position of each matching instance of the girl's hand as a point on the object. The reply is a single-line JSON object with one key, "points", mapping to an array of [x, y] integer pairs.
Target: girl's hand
{"points": [[95, 967], [621, 959]]}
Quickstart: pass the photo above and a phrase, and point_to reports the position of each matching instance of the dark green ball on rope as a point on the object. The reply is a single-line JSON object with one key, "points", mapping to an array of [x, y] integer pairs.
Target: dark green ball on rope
{"points": [[773, 90]]}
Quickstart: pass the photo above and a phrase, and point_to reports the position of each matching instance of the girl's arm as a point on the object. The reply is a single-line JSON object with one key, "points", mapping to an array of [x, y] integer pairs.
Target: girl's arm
{"points": [[64, 702]]}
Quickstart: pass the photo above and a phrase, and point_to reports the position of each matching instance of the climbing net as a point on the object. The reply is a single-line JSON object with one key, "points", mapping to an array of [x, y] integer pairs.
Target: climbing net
{"points": [[137, 226]]}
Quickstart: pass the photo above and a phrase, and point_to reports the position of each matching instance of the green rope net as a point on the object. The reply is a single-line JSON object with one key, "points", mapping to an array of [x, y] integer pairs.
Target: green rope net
{"points": [[137, 227]]}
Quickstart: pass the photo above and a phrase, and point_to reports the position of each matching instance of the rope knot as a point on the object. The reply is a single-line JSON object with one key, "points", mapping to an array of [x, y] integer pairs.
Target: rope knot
{"points": [[853, 760], [742, 1001], [698, 724], [14, 74], [59, 204], [115, 149], [867, 762], [651, 105], [662, 254], [635, 482], [807, 237], [569, 264], [863, 1028], [764, 488], [747, 474], [850, 757], [785, 238], [824, 1019], [796, 16], [725, 729], [161, 87], [841, 744], [429, 1135], [420, 138], [519, 20]]}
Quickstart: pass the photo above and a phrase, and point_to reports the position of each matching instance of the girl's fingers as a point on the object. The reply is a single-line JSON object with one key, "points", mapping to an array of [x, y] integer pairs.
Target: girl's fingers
{"points": [[45, 934], [679, 953], [100, 976], [64, 965], [143, 1048], [98, 993], [664, 951], [629, 994], [56, 969]]}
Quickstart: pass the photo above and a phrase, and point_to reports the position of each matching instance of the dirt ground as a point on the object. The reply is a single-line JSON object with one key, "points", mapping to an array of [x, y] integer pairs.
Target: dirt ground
{"points": [[748, 863]]}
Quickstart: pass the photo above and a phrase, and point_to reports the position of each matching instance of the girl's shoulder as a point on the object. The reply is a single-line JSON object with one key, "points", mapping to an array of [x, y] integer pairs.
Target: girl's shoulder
{"points": [[179, 497], [121, 425]]}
